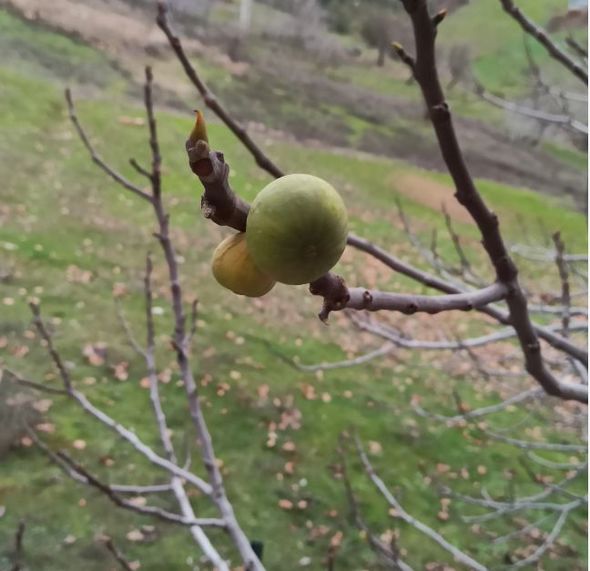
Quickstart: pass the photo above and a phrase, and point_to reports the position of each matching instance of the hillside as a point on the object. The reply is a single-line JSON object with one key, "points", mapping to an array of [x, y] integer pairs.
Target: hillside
{"points": [[321, 93]]}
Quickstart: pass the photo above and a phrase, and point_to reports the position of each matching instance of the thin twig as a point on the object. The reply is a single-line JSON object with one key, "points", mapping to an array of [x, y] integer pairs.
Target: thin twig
{"points": [[565, 284], [18, 547], [549, 540], [387, 332], [129, 505], [483, 411], [97, 158], [262, 160], [467, 269], [388, 553], [457, 554], [561, 120], [118, 555], [123, 432], [33, 384], [577, 47], [176, 484], [543, 38], [127, 329], [180, 343], [434, 282], [426, 74], [385, 349], [81, 475]]}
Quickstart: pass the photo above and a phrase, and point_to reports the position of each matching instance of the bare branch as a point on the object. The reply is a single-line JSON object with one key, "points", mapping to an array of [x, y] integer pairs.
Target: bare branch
{"points": [[387, 552], [530, 445], [560, 120], [117, 554], [543, 38], [81, 475], [127, 329], [426, 75], [18, 547], [176, 484], [128, 505], [434, 282], [457, 554], [180, 342], [34, 385], [385, 349], [545, 255], [549, 540], [96, 157], [577, 47], [483, 411], [554, 465], [465, 265], [387, 332], [126, 434], [262, 160], [141, 170], [564, 277], [372, 300]]}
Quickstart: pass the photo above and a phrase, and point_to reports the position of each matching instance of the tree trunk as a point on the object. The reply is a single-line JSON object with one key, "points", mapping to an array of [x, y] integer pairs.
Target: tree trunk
{"points": [[245, 15], [381, 56]]}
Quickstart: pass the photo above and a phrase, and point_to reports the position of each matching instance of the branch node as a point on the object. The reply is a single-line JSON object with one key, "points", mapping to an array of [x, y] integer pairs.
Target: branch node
{"points": [[439, 17]]}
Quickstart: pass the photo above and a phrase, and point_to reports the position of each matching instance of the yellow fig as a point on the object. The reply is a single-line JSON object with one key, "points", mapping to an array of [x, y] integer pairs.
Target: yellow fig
{"points": [[234, 268], [199, 131]]}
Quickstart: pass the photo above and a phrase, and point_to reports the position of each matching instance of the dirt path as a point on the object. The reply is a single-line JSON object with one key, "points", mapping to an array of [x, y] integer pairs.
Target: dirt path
{"points": [[432, 194]]}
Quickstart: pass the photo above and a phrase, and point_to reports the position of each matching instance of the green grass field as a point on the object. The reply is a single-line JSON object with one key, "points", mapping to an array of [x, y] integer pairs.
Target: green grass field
{"points": [[68, 234]]}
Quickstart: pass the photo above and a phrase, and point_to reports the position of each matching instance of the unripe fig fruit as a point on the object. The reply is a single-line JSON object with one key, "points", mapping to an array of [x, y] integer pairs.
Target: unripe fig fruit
{"points": [[297, 228], [234, 268]]}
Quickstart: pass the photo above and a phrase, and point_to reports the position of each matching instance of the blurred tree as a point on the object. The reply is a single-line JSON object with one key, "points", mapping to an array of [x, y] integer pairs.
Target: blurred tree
{"points": [[346, 16], [378, 32]]}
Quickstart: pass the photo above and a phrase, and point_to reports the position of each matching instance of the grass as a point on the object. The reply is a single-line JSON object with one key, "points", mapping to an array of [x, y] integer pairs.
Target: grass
{"points": [[60, 213]]}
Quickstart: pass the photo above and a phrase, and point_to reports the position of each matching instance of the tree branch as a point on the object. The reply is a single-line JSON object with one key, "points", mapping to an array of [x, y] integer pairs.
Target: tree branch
{"points": [[434, 282], [543, 38], [118, 555], [560, 120], [383, 350], [384, 551], [239, 213], [210, 100], [483, 411], [372, 300], [176, 484], [18, 547], [457, 554], [390, 334], [117, 177], [80, 474], [180, 342], [565, 284], [426, 75]]}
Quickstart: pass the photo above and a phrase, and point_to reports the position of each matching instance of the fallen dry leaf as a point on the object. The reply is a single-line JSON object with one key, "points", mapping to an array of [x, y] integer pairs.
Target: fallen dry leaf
{"points": [[42, 405], [135, 535], [286, 504]]}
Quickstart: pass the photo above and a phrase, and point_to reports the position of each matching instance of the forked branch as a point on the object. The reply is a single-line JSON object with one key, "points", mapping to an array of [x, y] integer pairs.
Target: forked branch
{"points": [[426, 74], [543, 38]]}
